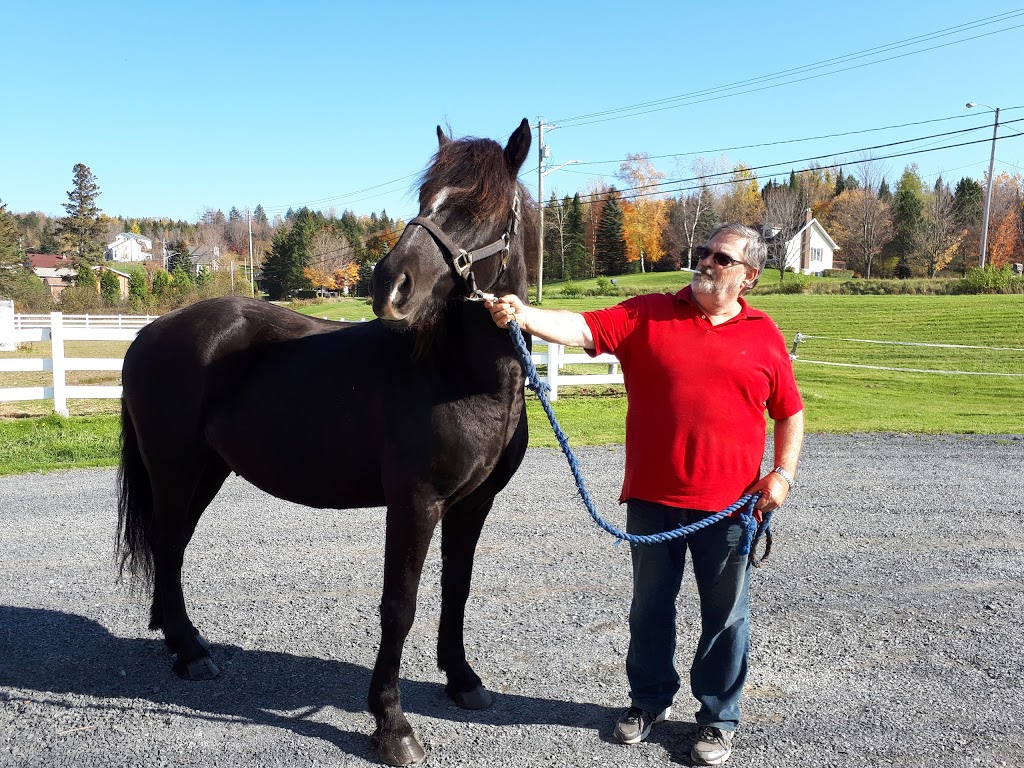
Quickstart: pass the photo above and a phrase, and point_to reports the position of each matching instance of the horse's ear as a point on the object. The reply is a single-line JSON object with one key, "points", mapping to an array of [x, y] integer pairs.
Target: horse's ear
{"points": [[442, 138], [518, 147]]}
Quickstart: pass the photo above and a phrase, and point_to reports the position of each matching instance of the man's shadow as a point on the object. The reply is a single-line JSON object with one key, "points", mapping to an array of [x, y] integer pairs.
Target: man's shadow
{"points": [[62, 653]]}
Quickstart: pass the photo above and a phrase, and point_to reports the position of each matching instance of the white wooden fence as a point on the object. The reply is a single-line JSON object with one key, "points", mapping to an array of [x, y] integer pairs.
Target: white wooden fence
{"points": [[58, 328]]}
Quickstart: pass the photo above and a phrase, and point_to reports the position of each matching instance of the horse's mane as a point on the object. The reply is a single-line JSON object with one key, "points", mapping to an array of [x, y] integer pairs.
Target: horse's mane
{"points": [[473, 174]]}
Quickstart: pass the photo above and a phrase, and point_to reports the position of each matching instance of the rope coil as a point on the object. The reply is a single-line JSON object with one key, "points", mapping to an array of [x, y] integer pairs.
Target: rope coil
{"points": [[744, 506]]}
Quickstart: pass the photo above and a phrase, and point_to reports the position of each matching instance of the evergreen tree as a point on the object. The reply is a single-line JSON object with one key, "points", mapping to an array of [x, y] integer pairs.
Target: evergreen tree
{"points": [[908, 219], [289, 254], [884, 194], [968, 202], [840, 184], [11, 266], [81, 230], [259, 216], [85, 276], [110, 288], [610, 245], [138, 291], [179, 257], [968, 205], [234, 214], [578, 260], [181, 278], [161, 284]]}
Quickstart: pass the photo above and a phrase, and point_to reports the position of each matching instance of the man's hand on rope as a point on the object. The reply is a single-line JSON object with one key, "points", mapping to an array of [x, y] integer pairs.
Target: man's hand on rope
{"points": [[774, 489], [503, 309]]}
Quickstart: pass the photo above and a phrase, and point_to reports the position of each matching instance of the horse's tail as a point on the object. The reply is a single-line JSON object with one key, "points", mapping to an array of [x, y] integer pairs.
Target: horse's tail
{"points": [[134, 506]]}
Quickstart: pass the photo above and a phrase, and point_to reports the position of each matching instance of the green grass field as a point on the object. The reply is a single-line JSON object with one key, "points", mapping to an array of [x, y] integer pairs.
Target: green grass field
{"points": [[837, 399]]}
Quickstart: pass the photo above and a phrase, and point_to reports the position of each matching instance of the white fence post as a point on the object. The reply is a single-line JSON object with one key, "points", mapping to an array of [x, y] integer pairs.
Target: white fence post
{"points": [[7, 342], [554, 353], [60, 398]]}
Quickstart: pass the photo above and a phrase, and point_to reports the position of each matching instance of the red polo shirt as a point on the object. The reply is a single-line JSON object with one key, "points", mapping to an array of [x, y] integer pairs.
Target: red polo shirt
{"points": [[695, 425]]}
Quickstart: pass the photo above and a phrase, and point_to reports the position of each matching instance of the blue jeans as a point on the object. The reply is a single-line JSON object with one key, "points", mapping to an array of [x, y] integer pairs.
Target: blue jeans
{"points": [[722, 576]]}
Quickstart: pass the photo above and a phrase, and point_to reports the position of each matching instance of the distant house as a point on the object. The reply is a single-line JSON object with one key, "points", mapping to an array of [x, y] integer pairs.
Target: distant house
{"points": [[811, 250], [129, 247], [206, 256], [54, 270]]}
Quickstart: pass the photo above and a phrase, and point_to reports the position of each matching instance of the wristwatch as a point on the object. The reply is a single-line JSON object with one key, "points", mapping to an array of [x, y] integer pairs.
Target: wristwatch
{"points": [[784, 474]]}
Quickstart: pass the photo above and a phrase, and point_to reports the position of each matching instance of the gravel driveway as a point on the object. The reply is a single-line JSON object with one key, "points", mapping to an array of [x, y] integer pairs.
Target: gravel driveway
{"points": [[887, 625]]}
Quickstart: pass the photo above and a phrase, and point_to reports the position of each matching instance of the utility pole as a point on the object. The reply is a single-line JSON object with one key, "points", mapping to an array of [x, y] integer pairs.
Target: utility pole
{"points": [[988, 191], [540, 207], [543, 153], [252, 274]]}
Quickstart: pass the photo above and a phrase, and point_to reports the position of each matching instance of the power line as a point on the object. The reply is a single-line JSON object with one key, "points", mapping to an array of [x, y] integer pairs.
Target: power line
{"points": [[694, 97], [799, 141], [628, 196], [832, 154]]}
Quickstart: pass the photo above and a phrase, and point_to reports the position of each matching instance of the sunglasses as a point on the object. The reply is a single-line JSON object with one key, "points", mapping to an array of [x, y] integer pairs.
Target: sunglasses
{"points": [[721, 259]]}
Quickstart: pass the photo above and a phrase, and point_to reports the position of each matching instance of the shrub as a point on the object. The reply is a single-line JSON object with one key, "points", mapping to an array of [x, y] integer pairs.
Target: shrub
{"points": [[837, 273], [80, 300], [570, 291], [990, 280]]}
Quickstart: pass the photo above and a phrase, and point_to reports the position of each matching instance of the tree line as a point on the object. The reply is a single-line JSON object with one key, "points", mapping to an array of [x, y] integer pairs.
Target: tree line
{"points": [[633, 224], [914, 230], [302, 250]]}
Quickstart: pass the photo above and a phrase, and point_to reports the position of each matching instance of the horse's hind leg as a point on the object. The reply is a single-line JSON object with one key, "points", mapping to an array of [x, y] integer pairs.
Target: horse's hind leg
{"points": [[409, 531], [177, 507], [460, 531]]}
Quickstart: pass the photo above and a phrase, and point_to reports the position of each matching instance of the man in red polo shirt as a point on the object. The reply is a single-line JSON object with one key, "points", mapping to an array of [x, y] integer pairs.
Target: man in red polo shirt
{"points": [[701, 368]]}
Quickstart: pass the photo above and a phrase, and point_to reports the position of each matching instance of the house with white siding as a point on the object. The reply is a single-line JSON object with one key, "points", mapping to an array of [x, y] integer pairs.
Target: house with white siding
{"points": [[811, 250], [129, 247]]}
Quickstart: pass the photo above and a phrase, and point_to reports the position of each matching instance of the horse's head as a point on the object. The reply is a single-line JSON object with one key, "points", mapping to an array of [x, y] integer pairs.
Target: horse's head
{"points": [[469, 234]]}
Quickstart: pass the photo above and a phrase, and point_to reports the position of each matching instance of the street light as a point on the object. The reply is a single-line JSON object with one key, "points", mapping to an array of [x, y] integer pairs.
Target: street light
{"points": [[544, 152], [991, 170]]}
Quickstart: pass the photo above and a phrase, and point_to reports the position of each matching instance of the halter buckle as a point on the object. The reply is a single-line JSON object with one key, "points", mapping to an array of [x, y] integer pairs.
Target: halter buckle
{"points": [[463, 262]]}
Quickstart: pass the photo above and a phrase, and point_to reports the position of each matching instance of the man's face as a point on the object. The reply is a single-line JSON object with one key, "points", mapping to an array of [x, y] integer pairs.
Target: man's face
{"points": [[728, 280]]}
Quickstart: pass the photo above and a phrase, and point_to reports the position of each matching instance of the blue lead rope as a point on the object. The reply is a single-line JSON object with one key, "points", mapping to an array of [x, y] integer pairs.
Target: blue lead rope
{"points": [[745, 505]]}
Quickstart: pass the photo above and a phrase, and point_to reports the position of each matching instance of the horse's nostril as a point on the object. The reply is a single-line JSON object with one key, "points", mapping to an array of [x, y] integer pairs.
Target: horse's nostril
{"points": [[400, 290]]}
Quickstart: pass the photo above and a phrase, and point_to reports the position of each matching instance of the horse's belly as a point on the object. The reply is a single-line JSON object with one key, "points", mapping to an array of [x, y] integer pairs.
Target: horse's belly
{"points": [[308, 462]]}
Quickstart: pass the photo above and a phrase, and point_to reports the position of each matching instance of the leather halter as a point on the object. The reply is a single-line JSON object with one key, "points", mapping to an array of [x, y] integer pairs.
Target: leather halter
{"points": [[461, 261]]}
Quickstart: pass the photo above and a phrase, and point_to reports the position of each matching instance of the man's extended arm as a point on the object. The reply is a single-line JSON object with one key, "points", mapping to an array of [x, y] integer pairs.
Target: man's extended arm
{"points": [[555, 325]]}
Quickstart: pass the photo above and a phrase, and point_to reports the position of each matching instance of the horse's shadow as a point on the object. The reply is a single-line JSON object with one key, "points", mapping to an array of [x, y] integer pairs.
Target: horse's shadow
{"points": [[62, 653]]}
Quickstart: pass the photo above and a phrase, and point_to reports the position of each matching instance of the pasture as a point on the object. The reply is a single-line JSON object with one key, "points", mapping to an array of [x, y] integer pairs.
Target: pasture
{"points": [[886, 625]]}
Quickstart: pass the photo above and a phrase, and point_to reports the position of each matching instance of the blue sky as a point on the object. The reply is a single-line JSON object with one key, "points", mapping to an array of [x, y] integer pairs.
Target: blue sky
{"points": [[179, 107]]}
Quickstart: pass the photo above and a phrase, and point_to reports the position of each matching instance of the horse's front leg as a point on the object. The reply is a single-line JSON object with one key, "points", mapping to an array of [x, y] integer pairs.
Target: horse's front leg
{"points": [[460, 531], [409, 531]]}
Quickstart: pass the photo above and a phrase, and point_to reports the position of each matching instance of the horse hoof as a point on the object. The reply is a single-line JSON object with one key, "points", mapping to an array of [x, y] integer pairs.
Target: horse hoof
{"points": [[402, 751], [202, 668], [478, 698], [203, 642]]}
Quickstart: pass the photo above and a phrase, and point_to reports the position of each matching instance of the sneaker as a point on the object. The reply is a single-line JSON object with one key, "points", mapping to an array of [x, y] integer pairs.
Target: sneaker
{"points": [[712, 747], [635, 724]]}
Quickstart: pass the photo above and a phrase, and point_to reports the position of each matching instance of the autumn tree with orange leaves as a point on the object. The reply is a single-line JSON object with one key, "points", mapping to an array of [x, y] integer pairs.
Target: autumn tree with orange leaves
{"points": [[644, 213]]}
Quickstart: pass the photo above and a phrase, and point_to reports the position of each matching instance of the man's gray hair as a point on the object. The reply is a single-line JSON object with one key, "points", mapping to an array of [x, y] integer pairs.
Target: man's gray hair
{"points": [[755, 254]]}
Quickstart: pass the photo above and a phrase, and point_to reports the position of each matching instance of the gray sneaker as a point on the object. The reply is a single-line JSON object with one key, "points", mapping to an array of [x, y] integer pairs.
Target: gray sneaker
{"points": [[635, 724], [712, 747]]}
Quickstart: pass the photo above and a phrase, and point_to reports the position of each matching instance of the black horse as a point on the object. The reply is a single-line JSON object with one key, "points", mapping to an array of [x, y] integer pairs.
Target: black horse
{"points": [[432, 389]]}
